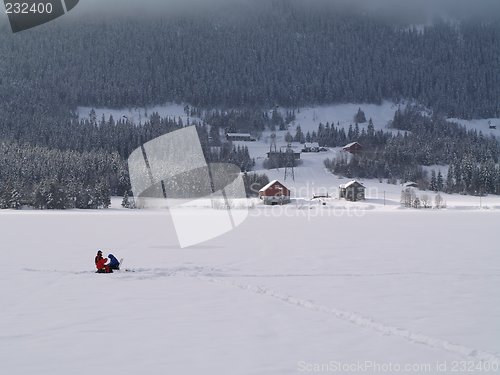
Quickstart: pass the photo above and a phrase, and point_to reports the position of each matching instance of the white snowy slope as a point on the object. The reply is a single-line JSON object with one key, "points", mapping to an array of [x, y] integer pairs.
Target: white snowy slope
{"points": [[293, 289], [490, 126], [137, 115], [308, 118], [313, 179], [343, 115], [279, 294]]}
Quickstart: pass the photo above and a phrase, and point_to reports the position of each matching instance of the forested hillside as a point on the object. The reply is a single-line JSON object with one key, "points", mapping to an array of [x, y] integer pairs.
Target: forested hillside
{"points": [[278, 52], [424, 141], [248, 57]]}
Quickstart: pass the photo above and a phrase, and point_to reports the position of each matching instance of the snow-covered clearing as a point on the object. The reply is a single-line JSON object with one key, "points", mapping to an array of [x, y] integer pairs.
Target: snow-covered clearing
{"points": [[294, 289], [136, 115], [482, 125], [277, 295], [343, 115], [313, 179], [307, 117]]}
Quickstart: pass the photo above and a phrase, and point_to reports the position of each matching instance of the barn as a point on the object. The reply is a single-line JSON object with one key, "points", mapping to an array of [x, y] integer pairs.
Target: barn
{"points": [[311, 147], [245, 137], [275, 193], [410, 184], [353, 147], [352, 191]]}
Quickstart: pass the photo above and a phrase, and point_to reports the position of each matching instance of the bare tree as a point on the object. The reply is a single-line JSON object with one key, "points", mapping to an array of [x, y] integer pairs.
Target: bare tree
{"points": [[438, 201], [417, 203], [408, 197], [426, 201]]}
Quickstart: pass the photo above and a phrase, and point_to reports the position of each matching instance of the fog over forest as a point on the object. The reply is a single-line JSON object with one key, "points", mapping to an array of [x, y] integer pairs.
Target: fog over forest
{"points": [[404, 8], [247, 56], [396, 11]]}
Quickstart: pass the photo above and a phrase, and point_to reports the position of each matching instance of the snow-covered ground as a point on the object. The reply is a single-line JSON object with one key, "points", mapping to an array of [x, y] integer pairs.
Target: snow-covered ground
{"points": [[311, 177], [308, 117], [343, 115], [303, 288], [136, 115], [281, 294]]}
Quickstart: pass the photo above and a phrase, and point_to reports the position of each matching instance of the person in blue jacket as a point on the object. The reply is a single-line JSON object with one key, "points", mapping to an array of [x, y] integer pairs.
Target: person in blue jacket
{"points": [[114, 263]]}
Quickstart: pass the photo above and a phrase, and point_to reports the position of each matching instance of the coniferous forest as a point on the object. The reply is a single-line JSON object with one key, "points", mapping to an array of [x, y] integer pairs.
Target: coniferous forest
{"points": [[276, 53], [422, 140]]}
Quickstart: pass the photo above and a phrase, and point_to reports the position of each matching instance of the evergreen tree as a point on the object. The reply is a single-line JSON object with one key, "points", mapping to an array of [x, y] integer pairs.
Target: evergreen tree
{"points": [[360, 117], [439, 181], [15, 199], [371, 129], [450, 186], [299, 136], [433, 184]]}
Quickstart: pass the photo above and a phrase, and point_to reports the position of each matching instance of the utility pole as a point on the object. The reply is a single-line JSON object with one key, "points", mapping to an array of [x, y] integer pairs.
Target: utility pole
{"points": [[289, 162]]}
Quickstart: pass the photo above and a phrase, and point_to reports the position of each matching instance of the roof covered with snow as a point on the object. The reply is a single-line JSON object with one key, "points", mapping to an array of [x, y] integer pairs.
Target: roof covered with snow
{"points": [[238, 135], [410, 184], [311, 145], [352, 144], [350, 183], [271, 184]]}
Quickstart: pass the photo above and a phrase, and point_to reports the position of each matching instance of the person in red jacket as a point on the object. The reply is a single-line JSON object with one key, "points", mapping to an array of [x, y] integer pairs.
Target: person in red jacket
{"points": [[100, 263]]}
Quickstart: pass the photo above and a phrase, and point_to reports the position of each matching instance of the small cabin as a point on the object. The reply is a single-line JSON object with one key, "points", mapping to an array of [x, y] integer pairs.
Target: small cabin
{"points": [[311, 147], [286, 156], [353, 147], [352, 191], [275, 193], [410, 184], [243, 137]]}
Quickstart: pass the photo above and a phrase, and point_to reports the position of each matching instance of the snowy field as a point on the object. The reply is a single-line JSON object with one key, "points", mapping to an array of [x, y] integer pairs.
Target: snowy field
{"points": [[343, 115], [307, 117], [318, 286], [136, 115], [284, 293], [482, 125]]}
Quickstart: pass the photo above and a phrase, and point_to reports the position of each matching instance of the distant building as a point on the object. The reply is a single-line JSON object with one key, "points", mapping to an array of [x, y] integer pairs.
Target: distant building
{"points": [[281, 155], [311, 147], [275, 193], [352, 191], [245, 137], [284, 156], [410, 184], [353, 147]]}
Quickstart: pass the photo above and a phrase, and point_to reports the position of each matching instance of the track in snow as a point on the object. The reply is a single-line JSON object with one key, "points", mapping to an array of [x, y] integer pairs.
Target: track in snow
{"points": [[217, 276], [366, 322]]}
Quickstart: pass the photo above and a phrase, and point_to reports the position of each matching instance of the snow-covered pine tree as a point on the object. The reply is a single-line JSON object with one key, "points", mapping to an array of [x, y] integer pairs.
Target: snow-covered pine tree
{"points": [[128, 201], [439, 181], [433, 183], [360, 117]]}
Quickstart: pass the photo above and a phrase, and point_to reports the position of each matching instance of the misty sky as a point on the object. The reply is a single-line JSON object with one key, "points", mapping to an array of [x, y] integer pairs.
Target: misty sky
{"points": [[486, 7], [407, 10]]}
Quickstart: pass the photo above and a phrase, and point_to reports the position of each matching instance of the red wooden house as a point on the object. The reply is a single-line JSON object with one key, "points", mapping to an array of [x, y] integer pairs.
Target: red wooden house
{"points": [[275, 193], [353, 147]]}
